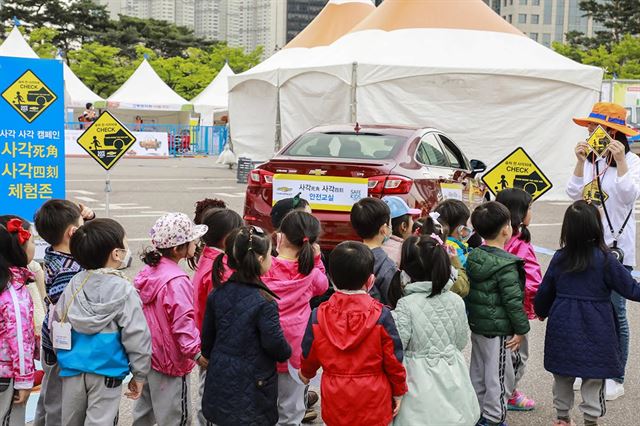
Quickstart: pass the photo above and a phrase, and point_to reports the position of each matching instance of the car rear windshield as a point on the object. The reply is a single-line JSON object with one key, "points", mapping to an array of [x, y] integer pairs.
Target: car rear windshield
{"points": [[364, 146]]}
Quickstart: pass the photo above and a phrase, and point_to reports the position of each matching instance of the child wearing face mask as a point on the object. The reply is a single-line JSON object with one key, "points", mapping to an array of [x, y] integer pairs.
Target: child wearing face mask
{"points": [[371, 219], [454, 214], [99, 331], [167, 298]]}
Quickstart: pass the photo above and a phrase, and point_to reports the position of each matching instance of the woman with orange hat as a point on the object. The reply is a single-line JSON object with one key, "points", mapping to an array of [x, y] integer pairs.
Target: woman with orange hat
{"points": [[612, 182]]}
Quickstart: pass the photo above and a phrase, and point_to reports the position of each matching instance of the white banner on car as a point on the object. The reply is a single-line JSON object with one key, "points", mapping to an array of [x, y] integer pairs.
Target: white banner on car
{"points": [[322, 192]]}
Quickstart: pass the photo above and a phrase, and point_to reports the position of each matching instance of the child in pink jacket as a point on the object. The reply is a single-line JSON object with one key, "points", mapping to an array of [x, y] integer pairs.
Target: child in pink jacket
{"points": [[519, 204], [296, 275], [167, 301], [17, 338]]}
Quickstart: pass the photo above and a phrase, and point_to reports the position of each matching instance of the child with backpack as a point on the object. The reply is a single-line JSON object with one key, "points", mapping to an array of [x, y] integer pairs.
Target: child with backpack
{"points": [[432, 323], [167, 298], [354, 339], [519, 202], [242, 338], [582, 332], [296, 276], [17, 338]]}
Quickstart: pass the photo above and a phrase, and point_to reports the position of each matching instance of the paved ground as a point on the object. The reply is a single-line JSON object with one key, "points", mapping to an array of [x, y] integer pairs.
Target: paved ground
{"points": [[144, 189]]}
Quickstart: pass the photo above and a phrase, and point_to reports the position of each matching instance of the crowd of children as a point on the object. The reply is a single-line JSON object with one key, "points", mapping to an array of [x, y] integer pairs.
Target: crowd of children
{"points": [[403, 305]]}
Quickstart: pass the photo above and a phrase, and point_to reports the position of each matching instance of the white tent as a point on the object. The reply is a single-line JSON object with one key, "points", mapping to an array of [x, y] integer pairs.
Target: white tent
{"points": [[76, 94], [453, 65], [144, 94], [253, 102], [214, 98]]}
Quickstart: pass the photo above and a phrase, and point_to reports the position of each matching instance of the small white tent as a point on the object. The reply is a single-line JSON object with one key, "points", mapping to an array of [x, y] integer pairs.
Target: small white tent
{"points": [[76, 94], [214, 98], [457, 66], [145, 94], [253, 102]]}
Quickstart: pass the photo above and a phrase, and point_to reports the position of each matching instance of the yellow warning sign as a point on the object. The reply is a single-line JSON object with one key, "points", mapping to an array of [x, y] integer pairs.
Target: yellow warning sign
{"points": [[517, 170], [106, 140], [29, 96], [591, 192], [599, 140]]}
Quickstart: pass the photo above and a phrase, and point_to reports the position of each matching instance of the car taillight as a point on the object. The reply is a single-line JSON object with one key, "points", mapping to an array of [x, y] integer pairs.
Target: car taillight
{"points": [[259, 177], [387, 185]]}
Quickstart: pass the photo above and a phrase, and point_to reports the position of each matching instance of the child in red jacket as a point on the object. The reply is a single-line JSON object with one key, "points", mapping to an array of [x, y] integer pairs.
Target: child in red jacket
{"points": [[353, 338]]}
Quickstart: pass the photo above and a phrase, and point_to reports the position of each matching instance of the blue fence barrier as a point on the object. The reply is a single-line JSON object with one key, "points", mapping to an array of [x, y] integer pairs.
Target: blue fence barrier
{"points": [[183, 140]]}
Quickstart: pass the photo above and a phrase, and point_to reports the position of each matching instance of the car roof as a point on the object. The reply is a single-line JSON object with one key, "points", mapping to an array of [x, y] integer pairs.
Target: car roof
{"points": [[387, 129]]}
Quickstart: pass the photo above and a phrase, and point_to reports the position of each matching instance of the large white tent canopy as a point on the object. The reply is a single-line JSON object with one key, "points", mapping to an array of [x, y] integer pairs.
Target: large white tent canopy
{"points": [[253, 102], [456, 66], [76, 95], [214, 98]]}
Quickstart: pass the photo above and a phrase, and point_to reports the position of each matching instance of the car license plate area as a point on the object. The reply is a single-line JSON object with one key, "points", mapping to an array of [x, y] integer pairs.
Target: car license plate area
{"points": [[332, 193]]}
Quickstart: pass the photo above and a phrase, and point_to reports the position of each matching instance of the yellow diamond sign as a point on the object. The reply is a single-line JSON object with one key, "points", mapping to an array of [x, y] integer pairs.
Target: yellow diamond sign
{"points": [[106, 140], [517, 170], [29, 96], [599, 140]]}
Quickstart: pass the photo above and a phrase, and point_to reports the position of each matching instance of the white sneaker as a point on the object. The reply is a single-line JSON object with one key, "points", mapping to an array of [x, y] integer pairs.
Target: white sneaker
{"points": [[577, 384], [613, 390]]}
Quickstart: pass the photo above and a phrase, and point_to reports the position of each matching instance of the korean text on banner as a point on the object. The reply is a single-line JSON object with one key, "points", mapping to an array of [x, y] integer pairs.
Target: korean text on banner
{"points": [[32, 168], [322, 192]]}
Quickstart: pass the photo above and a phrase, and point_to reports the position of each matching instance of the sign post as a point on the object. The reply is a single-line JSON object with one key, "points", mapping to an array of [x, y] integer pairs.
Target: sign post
{"points": [[517, 170], [32, 168], [106, 140]]}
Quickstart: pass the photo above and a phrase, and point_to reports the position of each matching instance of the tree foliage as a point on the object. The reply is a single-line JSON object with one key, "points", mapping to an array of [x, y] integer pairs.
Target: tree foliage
{"points": [[616, 49]]}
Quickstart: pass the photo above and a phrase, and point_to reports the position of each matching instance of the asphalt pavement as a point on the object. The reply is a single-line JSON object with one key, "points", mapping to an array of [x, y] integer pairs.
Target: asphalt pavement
{"points": [[142, 190]]}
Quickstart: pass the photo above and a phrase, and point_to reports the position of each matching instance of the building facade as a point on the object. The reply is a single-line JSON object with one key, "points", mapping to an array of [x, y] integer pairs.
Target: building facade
{"points": [[546, 21], [300, 13]]}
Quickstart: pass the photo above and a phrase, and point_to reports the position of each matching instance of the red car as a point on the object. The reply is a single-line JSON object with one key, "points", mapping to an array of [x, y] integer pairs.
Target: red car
{"points": [[422, 165]]}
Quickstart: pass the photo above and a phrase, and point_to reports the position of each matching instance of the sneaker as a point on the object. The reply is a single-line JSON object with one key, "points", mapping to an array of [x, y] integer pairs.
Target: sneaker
{"points": [[485, 422], [312, 398], [520, 402], [613, 390], [559, 422], [577, 384], [309, 416]]}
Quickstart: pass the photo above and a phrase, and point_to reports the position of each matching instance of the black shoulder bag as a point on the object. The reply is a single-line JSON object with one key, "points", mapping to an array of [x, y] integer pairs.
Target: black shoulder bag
{"points": [[615, 250]]}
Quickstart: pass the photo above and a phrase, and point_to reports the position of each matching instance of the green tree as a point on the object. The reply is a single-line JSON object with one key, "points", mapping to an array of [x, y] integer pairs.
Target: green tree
{"points": [[166, 39], [41, 41], [619, 17], [100, 67]]}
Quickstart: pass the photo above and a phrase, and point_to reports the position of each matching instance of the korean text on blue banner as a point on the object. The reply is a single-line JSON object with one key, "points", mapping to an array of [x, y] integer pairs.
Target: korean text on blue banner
{"points": [[32, 168]]}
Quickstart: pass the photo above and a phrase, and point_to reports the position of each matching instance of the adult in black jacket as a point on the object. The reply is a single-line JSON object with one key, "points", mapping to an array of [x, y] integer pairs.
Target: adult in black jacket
{"points": [[242, 338]]}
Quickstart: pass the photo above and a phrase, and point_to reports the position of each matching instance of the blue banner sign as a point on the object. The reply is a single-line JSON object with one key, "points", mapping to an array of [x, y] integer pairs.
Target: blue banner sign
{"points": [[32, 168]]}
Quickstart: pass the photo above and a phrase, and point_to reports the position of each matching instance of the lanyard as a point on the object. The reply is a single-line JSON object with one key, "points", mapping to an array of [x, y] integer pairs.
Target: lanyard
{"points": [[606, 212]]}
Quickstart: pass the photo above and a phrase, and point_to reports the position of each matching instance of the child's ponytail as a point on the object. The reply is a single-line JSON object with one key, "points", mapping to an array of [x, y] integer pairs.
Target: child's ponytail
{"points": [[302, 230], [11, 251], [423, 258], [244, 248], [151, 256], [518, 201]]}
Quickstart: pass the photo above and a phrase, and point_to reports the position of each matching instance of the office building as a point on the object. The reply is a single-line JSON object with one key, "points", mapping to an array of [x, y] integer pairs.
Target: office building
{"points": [[547, 21], [300, 13]]}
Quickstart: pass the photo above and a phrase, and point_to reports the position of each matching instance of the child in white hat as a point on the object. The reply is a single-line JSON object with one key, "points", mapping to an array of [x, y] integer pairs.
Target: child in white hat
{"points": [[167, 297]]}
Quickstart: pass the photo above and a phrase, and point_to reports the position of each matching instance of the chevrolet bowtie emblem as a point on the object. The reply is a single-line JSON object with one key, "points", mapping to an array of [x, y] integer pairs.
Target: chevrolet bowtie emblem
{"points": [[318, 172]]}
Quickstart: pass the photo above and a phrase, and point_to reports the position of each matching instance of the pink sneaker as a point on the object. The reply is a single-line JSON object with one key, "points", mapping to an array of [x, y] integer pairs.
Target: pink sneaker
{"points": [[520, 402]]}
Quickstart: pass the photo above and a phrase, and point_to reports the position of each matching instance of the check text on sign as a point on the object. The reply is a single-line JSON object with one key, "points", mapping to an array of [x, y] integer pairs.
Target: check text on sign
{"points": [[322, 192]]}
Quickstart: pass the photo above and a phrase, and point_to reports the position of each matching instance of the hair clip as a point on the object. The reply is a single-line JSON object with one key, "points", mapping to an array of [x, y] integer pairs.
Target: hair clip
{"points": [[305, 240], [437, 238], [296, 200], [14, 226]]}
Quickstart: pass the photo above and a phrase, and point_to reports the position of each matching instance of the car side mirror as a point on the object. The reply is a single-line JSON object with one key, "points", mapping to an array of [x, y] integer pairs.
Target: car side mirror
{"points": [[477, 166]]}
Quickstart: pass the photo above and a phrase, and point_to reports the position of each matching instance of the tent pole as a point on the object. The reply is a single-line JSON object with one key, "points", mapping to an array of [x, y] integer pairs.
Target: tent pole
{"points": [[278, 138], [354, 85]]}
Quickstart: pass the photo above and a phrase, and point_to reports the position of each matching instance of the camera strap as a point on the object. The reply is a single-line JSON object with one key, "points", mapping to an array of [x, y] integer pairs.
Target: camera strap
{"points": [[606, 212]]}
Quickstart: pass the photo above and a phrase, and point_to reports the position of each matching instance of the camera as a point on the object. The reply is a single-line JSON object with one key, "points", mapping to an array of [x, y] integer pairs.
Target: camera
{"points": [[617, 253]]}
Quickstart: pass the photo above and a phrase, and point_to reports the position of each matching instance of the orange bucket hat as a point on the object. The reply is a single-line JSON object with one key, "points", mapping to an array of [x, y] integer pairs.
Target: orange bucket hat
{"points": [[609, 115]]}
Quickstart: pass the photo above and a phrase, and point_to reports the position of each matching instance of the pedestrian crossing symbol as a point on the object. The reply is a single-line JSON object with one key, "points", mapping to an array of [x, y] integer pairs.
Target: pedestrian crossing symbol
{"points": [[591, 193], [517, 170], [29, 96], [106, 140]]}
